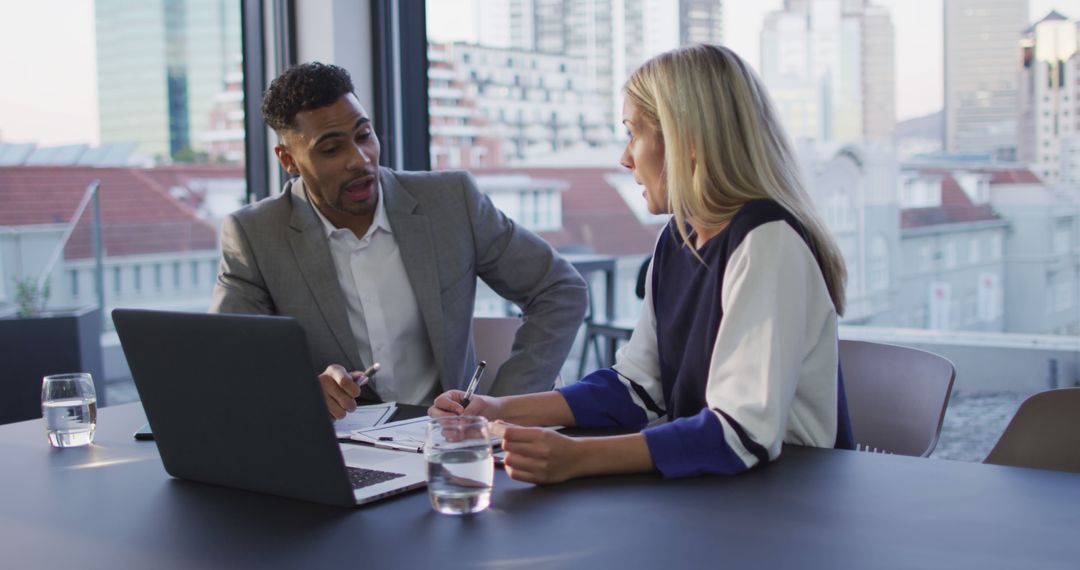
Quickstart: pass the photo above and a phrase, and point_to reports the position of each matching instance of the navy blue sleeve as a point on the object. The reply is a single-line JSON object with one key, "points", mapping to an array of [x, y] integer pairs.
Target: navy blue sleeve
{"points": [[602, 400], [694, 445]]}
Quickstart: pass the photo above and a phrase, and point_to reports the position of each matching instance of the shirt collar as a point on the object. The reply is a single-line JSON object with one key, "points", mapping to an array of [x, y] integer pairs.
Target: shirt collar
{"points": [[379, 222]]}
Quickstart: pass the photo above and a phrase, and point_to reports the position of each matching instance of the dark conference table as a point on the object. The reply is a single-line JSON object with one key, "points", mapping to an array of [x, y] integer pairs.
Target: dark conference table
{"points": [[111, 505]]}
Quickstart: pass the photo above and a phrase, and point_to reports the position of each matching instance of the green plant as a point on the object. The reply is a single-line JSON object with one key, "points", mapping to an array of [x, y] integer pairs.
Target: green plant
{"points": [[29, 297]]}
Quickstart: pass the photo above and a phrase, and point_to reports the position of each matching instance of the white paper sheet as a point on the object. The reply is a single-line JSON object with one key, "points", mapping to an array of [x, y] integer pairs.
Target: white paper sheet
{"points": [[364, 417]]}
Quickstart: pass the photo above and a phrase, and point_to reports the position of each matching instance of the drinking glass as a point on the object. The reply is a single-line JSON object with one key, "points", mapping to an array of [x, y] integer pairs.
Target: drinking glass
{"points": [[69, 405], [460, 468]]}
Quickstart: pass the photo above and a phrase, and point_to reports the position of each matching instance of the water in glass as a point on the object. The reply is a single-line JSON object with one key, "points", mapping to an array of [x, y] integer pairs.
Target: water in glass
{"points": [[69, 406], [459, 480], [460, 467], [70, 423]]}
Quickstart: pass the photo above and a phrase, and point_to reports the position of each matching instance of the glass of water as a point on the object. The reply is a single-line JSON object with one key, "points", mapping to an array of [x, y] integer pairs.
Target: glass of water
{"points": [[460, 468], [69, 405]]}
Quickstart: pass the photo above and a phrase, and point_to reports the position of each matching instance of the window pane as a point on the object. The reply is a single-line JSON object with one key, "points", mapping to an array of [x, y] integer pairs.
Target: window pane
{"points": [[956, 209], [144, 97]]}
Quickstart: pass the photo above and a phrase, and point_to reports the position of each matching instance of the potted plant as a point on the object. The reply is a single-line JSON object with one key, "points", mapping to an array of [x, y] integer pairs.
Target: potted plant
{"points": [[35, 342]]}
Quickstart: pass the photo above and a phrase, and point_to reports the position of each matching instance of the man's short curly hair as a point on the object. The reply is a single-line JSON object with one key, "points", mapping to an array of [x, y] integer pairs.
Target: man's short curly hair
{"points": [[303, 87]]}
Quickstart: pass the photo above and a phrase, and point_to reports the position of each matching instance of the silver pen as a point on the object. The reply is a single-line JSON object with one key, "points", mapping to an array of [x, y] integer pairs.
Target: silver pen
{"points": [[366, 380], [371, 371], [473, 383]]}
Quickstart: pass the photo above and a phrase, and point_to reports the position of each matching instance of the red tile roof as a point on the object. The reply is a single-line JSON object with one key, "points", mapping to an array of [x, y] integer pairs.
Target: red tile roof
{"points": [[138, 214], [1016, 176], [593, 213], [956, 206]]}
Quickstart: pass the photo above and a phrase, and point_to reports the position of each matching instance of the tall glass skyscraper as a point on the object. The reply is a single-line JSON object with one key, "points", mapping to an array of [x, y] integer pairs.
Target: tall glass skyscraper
{"points": [[830, 69], [160, 65], [982, 59]]}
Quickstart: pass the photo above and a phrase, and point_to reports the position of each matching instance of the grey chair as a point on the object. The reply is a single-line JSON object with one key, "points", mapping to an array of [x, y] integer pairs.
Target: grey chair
{"points": [[896, 396], [493, 339], [1044, 433], [603, 336]]}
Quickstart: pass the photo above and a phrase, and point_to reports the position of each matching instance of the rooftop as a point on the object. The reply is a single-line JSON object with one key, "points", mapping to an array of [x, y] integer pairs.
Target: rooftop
{"points": [[594, 214], [138, 213]]}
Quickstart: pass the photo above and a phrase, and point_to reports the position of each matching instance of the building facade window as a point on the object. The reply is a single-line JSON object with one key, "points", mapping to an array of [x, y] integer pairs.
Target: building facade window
{"points": [[878, 266]]}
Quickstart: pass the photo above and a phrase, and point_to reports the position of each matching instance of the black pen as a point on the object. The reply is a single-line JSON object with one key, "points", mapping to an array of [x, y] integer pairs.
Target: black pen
{"points": [[473, 383]]}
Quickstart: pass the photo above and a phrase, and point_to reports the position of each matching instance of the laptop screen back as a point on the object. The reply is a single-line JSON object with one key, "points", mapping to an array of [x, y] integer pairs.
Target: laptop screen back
{"points": [[233, 400]]}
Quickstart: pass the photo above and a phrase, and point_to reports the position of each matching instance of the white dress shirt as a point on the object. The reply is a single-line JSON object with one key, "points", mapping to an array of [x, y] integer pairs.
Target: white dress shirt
{"points": [[383, 313]]}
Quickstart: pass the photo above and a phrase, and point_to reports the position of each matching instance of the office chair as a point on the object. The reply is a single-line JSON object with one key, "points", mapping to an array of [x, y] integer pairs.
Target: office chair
{"points": [[896, 396], [1044, 433], [493, 339], [614, 331]]}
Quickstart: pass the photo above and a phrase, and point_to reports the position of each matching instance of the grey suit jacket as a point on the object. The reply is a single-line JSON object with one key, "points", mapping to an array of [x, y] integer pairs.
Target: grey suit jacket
{"points": [[275, 260]]}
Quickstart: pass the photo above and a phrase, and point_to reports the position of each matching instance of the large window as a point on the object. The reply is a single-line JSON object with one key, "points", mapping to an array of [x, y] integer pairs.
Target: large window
{"points": [[143, 98], [928, 177]]}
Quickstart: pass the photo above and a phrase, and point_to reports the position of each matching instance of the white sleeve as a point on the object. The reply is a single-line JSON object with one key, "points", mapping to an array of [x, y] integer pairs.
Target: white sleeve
{"points": [[638, 360], [776, 305]]}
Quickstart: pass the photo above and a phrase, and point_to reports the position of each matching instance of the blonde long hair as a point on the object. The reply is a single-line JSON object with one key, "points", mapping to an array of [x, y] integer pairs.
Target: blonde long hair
{"points": [[724, 146]]}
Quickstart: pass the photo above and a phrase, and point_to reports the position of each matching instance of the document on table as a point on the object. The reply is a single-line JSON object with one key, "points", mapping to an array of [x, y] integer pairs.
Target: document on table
{"points": [[404, 435], [364, 417]]}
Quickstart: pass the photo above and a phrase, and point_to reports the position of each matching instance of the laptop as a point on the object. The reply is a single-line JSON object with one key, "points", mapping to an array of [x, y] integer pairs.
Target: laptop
{"points": [[234, 400]]}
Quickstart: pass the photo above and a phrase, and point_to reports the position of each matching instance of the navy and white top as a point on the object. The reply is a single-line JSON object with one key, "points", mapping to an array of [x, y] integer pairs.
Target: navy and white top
{"points": [[739, 354]]}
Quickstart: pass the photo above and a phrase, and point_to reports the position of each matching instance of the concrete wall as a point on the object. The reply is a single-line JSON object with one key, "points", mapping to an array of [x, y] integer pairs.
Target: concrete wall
{"points": [[1032, 268], [952, 265]]}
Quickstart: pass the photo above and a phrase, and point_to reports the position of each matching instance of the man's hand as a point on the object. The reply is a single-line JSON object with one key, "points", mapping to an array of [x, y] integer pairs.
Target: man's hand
{"points": [[538, 455], [340, 388], [449, 404]]}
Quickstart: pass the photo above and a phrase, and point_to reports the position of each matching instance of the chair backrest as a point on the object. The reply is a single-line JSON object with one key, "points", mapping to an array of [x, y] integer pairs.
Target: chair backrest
{"points": [[1044, 433], [896, 396], [494, 340]]}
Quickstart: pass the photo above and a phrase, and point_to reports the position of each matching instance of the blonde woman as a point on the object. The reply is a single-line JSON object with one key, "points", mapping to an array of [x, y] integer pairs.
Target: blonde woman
{"points": [[735, 352]]}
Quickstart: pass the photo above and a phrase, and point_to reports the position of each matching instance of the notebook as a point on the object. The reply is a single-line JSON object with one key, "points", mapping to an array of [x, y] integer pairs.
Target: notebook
{"points": [[233, 400]]}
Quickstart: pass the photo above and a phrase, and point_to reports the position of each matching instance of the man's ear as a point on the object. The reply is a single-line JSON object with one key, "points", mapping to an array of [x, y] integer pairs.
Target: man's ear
{"points": [[286, 159]]}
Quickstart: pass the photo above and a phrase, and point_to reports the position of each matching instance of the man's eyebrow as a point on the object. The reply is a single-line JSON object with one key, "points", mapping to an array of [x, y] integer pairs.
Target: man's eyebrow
{"points": [[335, 134]]}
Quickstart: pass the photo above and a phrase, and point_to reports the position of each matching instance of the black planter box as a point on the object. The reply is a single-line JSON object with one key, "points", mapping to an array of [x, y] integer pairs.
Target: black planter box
{"points": [[50, 343]]}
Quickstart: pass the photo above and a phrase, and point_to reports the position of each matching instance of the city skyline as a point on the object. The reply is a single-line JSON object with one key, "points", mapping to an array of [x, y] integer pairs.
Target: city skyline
{"points": [[54, 101]]}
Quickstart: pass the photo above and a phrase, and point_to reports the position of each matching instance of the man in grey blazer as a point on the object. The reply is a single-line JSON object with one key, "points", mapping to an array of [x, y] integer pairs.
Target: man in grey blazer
{"points": [[381, 266]]}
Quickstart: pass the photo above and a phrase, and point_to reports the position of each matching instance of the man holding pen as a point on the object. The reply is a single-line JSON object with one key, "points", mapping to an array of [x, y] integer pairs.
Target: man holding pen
{"points": [[380, 265]]}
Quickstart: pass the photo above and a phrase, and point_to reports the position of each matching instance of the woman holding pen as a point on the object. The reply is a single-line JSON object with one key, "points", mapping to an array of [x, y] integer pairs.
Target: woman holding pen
{"points": [[735, 352]]}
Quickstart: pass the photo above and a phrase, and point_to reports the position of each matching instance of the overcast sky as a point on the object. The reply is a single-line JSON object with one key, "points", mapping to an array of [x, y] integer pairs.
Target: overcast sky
{"points": [[50, 88]]}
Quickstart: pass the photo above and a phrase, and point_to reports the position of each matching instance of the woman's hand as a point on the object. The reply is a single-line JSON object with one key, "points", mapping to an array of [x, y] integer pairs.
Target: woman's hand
{"points": [[538, 455], [449, 404]]}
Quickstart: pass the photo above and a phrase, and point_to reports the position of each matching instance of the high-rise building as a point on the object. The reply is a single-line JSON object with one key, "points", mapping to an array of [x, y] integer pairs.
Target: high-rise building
{"points": [[981, 60], [878, 73], [655, 26], [701, 22], [1048, 129], [612, 37], [496, 106], [829, 65], [161, 66]]}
